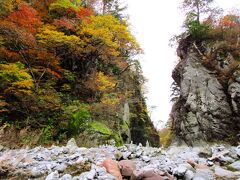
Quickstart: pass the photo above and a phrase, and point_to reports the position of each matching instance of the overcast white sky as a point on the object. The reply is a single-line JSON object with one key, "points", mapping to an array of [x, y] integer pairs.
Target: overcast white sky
{"points": [[154, 22]]}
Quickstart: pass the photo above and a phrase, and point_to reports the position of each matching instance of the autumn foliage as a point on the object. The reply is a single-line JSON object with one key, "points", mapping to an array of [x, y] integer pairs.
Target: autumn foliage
{"points": [[25, 17], [57, 56]]}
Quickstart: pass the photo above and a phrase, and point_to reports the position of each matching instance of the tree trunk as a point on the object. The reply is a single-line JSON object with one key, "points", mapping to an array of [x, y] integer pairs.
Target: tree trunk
{"points": [[198, 11]]}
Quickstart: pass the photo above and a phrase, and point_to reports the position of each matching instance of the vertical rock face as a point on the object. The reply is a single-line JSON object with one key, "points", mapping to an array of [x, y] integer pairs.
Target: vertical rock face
{"points": [[205, 110]]}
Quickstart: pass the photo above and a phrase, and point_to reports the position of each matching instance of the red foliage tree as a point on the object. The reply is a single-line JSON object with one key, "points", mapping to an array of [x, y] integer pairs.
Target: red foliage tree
{"points": [[84, 13], [65, 23], [25, 17]]}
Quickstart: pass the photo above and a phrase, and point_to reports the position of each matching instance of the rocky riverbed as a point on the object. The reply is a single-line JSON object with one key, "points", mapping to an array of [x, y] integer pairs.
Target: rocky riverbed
{"points": [[77, 163]]}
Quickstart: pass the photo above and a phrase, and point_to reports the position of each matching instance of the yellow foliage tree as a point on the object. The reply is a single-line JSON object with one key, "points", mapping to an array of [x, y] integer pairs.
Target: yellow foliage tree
{"points": [[111, 32], [49, 36], [101, 82], [15, 79]]}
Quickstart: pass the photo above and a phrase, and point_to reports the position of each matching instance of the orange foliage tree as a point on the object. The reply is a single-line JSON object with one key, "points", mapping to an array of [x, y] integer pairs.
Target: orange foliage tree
{"points": [[25, 17]]}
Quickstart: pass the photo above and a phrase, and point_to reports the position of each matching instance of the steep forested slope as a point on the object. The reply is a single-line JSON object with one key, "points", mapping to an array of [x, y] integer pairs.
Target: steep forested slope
{"points": [[66, 69]]}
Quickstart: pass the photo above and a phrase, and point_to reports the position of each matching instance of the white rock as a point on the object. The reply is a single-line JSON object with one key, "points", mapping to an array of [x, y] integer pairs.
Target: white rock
{"points": [[100, 171], [71, 144], [179, 171], [138, 153], [203, 174], [210, 163], [223, 173], [238, 151], [107, 177], [91, 174], [126, 155], [236, 165], [35, 172], [60, 168], [226, 159], [147, 144], [66, 177], [77, 178], [88, 175], [146, 159], [188, 175], [53, 176]]}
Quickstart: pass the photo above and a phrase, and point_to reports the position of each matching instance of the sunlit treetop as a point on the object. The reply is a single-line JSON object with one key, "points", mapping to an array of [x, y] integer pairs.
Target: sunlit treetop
{"points": [[49, 35], [65, 4], [110, 31]]}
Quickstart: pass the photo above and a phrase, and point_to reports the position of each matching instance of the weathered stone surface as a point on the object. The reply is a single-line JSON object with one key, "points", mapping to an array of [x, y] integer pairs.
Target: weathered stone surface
{"points": [[202, 113]]}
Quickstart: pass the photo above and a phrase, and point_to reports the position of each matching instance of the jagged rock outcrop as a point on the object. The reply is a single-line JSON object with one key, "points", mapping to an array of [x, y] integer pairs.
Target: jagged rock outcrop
{"points": [[206, 110]]}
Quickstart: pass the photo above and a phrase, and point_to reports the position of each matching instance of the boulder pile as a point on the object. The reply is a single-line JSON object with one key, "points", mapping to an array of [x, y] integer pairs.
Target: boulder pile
{"points": [[130, 161]]}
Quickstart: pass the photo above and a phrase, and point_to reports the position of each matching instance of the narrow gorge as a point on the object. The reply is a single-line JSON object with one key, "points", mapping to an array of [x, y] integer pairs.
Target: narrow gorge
{"points": [[72, 102]]}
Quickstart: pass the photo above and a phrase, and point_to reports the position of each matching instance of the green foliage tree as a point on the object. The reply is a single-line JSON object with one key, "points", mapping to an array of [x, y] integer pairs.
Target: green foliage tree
{"points": [[196, 28], [197, 7]]}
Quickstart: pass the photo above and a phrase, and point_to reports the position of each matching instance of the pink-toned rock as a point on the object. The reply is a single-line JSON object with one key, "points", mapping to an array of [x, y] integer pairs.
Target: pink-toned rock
{"points": [[127, 167], [150, 174], [112, 168], [196, 165]]}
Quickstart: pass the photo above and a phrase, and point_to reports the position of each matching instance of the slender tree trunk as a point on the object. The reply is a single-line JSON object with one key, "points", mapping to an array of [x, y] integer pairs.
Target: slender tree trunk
{"points": [[198, 11], [104, 6]]}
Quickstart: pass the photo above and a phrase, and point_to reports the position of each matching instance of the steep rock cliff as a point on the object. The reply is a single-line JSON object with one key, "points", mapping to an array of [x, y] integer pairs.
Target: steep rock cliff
{"points": [[207, 108]]}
